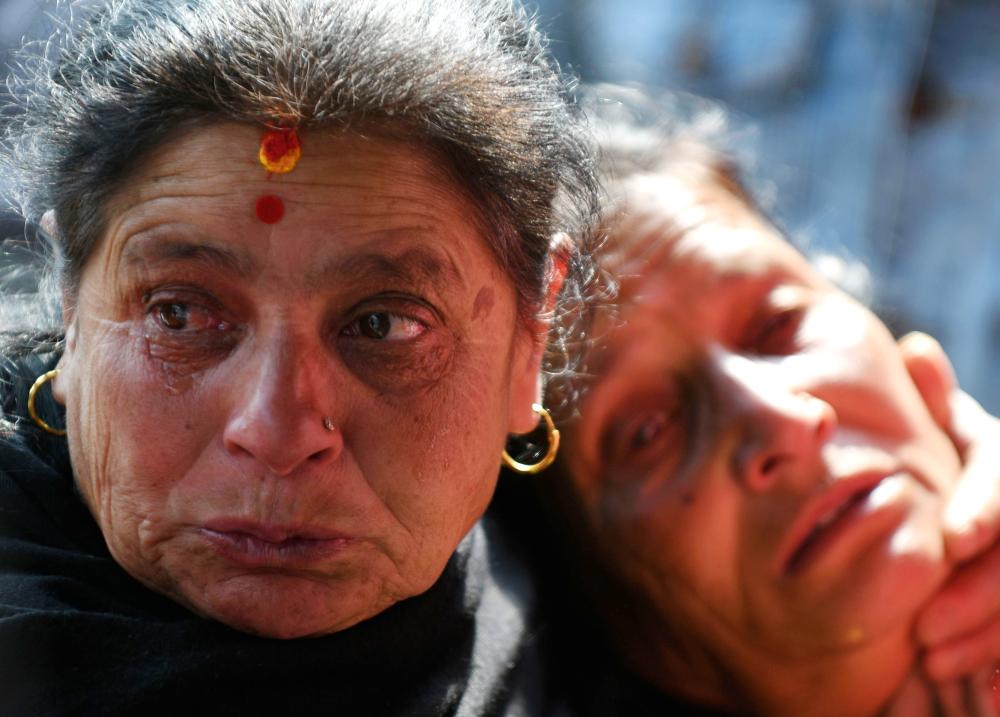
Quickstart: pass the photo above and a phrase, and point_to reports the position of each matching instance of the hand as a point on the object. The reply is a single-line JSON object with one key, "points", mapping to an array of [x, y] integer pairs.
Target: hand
{"points": [[960, 627], [915, 698], [972, 517], [972, 696]]}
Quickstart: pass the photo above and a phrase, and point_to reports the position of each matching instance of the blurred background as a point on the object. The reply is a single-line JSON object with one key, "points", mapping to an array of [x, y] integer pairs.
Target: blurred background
{"points": [[876, 131]]}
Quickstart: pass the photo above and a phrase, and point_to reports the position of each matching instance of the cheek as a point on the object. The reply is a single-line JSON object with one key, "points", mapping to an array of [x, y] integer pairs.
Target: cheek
{"points": [[692, 544], [433, 455], [133, 439]]}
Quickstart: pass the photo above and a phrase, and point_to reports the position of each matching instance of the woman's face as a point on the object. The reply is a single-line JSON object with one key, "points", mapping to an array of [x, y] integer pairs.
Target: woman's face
{"points": [[207, 348], [752, 454]]}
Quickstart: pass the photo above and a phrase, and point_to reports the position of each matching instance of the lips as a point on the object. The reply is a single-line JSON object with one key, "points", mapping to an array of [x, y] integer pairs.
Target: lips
{"points": [[257, 545], [824, 519]]}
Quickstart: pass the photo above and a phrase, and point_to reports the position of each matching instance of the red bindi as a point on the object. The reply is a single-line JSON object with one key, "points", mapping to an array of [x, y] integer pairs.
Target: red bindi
{"points": [[270, 209]]}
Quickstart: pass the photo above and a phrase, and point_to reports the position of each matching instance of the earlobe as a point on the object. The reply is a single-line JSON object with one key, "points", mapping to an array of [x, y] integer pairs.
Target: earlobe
{"points": [[526, 386], [65, 366], [67, 360]]}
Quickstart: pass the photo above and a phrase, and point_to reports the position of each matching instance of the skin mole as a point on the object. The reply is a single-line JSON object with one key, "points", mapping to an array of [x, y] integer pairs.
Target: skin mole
{"points": [[483, 303]]}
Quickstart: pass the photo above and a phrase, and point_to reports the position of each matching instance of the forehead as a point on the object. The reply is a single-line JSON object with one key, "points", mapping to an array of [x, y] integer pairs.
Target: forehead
{"points": [[693, 239], [347, 191], [213, 155]]}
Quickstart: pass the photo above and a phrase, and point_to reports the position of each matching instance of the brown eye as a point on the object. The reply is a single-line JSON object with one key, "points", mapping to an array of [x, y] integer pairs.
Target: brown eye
{"points": [[385, 326], [376, 325], [173, 316]]}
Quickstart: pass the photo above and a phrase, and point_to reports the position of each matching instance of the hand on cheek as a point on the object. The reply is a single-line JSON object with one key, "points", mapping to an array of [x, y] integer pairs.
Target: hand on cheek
{"points": [[971, 696], [960, 626], [972, 518]]}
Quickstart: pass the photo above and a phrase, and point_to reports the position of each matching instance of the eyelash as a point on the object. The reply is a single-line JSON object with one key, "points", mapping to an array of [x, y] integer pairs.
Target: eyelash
{"points": [[366, 325], [163, 312], [167, 304]]}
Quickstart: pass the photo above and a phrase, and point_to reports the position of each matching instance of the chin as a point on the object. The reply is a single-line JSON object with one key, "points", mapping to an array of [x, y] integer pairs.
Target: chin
{"points": [[287, 606], [880, 601]]}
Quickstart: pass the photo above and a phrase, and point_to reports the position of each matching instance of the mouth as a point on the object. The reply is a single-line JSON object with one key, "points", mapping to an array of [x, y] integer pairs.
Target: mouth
{"points": [[831, 516], [254, 545]]}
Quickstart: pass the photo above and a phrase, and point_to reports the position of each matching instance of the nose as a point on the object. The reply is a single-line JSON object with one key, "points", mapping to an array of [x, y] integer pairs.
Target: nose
{"points": [[277, 419], [781, 428]]}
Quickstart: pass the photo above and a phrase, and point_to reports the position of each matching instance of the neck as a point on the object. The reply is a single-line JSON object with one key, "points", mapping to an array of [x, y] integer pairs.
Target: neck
{"points": [[857, 682]]}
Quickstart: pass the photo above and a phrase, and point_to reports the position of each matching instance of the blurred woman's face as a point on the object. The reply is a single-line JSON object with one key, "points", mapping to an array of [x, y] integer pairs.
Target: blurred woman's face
{"points": [[752, 454], [288, 420]]}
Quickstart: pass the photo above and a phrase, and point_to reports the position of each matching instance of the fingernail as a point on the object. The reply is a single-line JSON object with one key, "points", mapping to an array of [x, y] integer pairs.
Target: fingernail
{"points": [[964, 539]]}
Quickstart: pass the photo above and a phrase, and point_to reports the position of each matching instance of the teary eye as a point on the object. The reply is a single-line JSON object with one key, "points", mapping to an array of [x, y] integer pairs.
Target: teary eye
{"points": [[173, 316], [186, 317]]}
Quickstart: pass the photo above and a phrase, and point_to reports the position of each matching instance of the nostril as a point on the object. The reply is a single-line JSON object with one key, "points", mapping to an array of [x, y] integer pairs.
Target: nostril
{"points": [[770, 464], [320, 456]]}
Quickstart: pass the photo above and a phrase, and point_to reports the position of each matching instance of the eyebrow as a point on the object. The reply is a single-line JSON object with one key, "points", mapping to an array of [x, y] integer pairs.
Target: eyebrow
{"points": [[416, 265], [182, 251]]}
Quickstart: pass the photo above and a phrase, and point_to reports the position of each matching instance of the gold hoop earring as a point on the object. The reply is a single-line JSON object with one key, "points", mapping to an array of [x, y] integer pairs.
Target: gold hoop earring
{"points": [[32, 392], [550, 455]]}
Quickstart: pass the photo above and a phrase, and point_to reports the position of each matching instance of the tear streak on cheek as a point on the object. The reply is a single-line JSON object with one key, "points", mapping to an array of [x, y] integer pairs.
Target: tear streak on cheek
{"points": [[483, 303], [176, 379]]}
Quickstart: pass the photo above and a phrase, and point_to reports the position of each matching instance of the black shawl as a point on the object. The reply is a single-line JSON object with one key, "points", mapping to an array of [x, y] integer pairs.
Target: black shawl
{"points": [[78, 635]]}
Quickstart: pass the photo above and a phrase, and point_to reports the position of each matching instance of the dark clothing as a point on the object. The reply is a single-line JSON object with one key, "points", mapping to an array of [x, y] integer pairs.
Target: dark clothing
{"points": [[78, 635]]}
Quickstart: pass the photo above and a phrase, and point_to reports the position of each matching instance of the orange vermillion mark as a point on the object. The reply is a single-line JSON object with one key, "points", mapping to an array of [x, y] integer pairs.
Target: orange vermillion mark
{"points": [[270, 209], [280, 150]]}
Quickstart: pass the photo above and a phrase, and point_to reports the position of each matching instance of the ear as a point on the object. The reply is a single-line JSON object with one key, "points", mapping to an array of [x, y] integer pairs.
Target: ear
{"points": [[931, 372], [526, 372], [66, 361], [66, 365]]}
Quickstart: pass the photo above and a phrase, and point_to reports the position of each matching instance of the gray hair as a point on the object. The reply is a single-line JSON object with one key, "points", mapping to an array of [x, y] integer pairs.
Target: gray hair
{"points": [[693, 138], [469, 79]]}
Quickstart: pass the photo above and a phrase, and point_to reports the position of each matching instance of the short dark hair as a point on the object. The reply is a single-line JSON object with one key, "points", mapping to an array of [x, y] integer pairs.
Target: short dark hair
{"points": [[469, 79]]}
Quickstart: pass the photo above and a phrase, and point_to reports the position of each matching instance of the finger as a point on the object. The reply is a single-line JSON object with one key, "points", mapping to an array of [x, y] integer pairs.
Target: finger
{"points": [[932, 374], [913, 699], [971, 520], [968, 602], [983, 695], [951, 699], [972, 517], [964, 655]]}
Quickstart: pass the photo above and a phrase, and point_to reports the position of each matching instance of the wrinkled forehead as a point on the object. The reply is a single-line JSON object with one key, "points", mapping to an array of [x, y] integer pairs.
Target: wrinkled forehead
{"points": [[691, 238]]}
